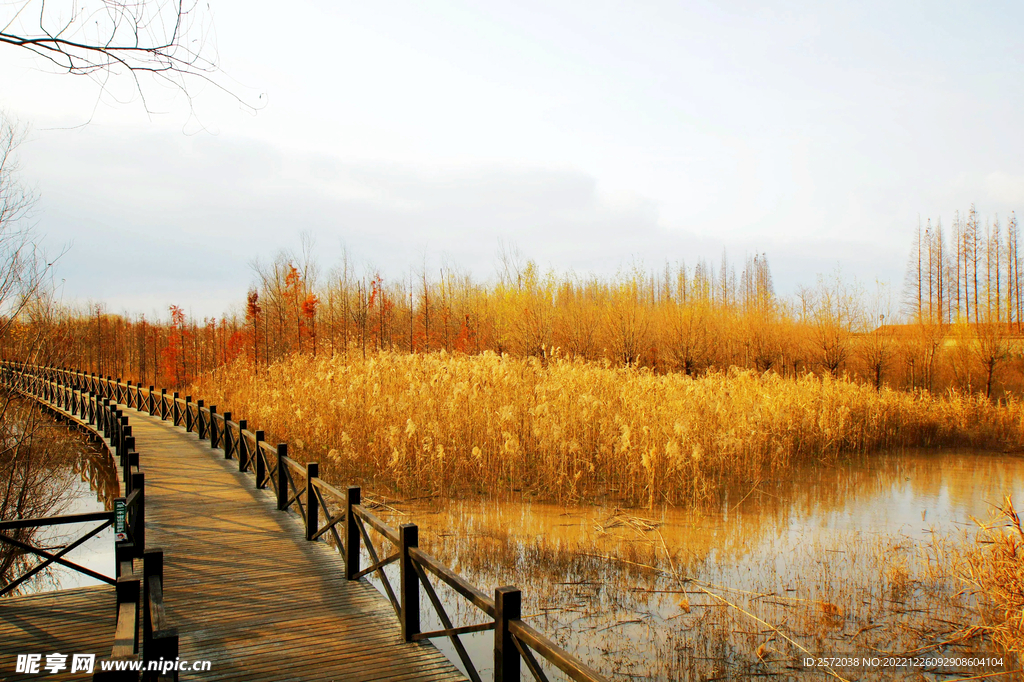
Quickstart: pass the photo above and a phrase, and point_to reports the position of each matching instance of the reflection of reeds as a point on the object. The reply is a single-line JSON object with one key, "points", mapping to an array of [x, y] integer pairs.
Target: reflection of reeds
{"points": [[39, 462], [632, 603], [420, 424]]}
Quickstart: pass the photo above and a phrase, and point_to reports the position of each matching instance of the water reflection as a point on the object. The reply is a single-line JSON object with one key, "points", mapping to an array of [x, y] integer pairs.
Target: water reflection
{"points": [[86, 481], [851, 559]]}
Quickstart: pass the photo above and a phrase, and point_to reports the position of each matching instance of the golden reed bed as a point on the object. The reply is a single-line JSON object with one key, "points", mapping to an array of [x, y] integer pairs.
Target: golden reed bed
{"points": [[574, 431]]}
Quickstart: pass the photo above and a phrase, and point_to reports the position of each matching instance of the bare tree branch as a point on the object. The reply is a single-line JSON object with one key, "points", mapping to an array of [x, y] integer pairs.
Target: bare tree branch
{"points": [[170, 40]]}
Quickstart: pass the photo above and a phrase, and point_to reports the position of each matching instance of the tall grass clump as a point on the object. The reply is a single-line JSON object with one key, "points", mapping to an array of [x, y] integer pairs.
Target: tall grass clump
{"points": [[569, 430], [993, 569]]}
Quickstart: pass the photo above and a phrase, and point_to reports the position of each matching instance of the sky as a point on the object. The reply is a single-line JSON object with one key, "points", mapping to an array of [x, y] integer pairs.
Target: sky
{"points": [[593, 137]]}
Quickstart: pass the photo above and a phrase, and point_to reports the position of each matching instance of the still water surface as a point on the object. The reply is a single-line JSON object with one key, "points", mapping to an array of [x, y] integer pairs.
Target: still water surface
{"points": [[91, 486], [831, 552]]}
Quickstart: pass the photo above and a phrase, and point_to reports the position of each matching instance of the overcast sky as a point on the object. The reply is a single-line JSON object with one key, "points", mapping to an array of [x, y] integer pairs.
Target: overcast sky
{"points": [[591, 135]]}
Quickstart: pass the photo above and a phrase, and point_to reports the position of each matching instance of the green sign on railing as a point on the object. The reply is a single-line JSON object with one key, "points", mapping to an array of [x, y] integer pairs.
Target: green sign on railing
{"points": [[120, 518]]}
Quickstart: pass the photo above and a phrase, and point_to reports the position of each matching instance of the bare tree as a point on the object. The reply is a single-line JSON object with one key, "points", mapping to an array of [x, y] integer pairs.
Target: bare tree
{"points": [[23, 268], [833, 313], [877, 346], [171, 40]]}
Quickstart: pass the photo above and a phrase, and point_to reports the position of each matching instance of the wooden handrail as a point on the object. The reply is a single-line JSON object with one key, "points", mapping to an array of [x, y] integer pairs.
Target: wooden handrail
{"points": [[325, 486], [56, 520], [377, 524], [454, 581], [560, 658], [98, 418]]}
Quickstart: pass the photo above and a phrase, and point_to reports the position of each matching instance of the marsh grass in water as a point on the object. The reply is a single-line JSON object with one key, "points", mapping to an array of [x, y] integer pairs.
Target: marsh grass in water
{"points": [[843, 566]]}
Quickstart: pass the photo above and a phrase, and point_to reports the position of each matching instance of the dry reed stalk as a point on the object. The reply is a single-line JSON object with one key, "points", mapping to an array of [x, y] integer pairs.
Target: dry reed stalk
{"points": [[994, 570]]}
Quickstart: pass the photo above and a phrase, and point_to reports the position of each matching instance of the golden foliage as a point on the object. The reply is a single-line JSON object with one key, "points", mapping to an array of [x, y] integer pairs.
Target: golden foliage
{"points": [[569, 430]]}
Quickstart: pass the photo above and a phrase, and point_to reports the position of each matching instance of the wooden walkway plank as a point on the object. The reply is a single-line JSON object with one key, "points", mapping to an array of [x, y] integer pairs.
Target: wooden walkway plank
{"points": [[247, 591], [76, 621]]}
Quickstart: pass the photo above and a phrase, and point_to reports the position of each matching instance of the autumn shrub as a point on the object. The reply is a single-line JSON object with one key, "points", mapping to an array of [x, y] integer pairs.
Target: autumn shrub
{"points": [[569, 430]]}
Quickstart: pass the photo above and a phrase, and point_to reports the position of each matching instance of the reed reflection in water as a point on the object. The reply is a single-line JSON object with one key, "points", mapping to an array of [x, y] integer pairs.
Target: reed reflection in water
{"points": [[851, 560], [51, 470]]}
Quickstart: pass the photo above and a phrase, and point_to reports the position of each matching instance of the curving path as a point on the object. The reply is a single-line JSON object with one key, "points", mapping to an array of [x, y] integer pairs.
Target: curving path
{"points": [[245, 589]]}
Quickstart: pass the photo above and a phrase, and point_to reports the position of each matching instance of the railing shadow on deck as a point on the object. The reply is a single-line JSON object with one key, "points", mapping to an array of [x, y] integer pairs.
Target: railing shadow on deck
{"points": [[326, 511]]}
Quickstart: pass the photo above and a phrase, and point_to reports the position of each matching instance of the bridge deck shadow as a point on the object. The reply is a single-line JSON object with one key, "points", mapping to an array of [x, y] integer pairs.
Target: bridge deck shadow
{"points": [[75, 621]]}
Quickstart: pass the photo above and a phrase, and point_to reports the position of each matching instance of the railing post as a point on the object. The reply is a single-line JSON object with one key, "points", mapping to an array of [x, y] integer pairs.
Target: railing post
{"points": [[282, 476], [175, 410], [243, 446], [139, 518], [188, 414], [351, 533], [212, 430], [409, 537], [156, 644], [126, 433], [225, 437], [119, 422], [163, 404], [126, 464], [312, 502], [123, 553], [261, 462], [200, 429], [508, 604]]}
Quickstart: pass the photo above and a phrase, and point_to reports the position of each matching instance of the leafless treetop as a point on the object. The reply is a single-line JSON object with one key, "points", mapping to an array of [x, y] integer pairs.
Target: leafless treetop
{"points": [[172, 40]]}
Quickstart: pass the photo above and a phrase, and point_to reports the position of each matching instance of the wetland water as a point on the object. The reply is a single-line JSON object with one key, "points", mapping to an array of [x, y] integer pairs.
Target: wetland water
{"points": [[850, 560], [90, 485]]}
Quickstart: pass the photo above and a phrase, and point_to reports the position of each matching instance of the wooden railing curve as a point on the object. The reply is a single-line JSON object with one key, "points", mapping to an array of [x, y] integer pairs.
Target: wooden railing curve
{"points": [[324, 510], [91, 406]]}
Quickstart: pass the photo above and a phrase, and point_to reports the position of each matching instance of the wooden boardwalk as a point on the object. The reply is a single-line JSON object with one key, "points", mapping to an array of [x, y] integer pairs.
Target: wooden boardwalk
{"points": [[240, 582], [245, 589], [67, 621]]}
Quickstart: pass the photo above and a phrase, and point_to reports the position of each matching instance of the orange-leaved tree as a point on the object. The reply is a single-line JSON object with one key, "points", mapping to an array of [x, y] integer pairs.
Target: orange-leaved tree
{"points": [[173, 354], [252, 322]]}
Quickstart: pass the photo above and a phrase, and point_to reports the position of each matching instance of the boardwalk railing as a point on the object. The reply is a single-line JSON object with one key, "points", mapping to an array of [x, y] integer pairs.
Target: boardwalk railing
{"points": [[327, 512], [105, 519], [138, 596]]}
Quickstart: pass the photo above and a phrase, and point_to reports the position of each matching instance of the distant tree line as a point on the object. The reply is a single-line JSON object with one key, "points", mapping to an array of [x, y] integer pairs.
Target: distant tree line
{"points": [[957, 324], [973, 275]]}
